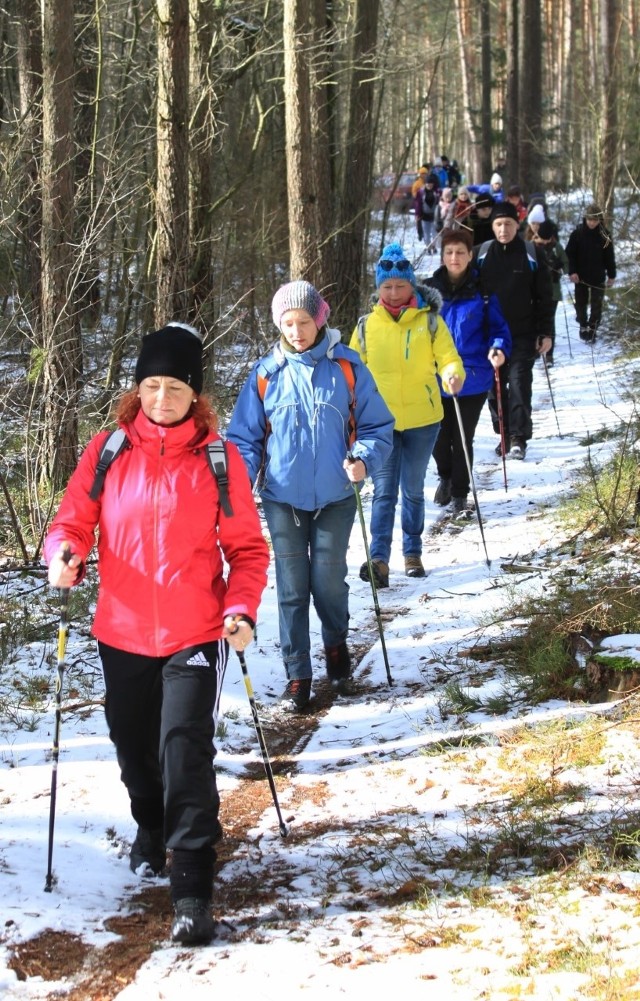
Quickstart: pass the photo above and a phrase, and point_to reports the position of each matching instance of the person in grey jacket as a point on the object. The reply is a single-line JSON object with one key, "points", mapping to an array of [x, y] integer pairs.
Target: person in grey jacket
{"points": [[310, 424]]}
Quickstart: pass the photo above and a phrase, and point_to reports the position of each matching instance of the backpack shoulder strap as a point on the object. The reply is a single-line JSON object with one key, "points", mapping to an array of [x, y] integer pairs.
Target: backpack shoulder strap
{"points": [[267, 367], [482, 253], [350, 378], [217, 458], [531, 255], [432, 319], [113, 445]]}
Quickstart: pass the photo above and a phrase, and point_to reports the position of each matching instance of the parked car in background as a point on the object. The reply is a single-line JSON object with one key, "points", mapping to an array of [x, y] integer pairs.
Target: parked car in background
{"points": [[400, 195]]}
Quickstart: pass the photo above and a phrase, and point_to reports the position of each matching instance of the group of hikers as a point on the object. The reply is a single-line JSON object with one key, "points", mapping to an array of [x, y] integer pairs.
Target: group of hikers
{"points": [[182, 556]]}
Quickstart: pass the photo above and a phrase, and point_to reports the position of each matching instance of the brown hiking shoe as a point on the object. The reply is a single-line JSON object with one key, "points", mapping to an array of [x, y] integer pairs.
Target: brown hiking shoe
{"points": [[413, 566], [380, 573]]}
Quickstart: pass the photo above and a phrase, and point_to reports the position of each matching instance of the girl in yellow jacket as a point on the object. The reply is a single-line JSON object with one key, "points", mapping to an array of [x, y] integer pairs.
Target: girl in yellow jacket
{"points": [[403, 342]]}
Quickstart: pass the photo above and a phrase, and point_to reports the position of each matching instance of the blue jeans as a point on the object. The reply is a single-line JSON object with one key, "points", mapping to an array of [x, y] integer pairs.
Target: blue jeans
{"points": [[404, 470], [310, 549]]}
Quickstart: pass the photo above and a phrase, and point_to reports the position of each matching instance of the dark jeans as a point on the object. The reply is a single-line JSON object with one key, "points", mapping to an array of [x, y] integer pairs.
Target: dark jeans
{"points": [[589, 296], [516, 382], [310, 550], [448, 450], [403, 471], [161, 714]]}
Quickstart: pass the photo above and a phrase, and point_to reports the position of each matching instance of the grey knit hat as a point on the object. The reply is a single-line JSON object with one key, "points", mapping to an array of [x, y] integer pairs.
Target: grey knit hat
{"points": [[174, 351], [300, 295]]}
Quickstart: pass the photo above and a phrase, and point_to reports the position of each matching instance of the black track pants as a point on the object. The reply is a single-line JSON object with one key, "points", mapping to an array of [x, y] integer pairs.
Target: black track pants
{"points": [[161, 714], [448, 451]]}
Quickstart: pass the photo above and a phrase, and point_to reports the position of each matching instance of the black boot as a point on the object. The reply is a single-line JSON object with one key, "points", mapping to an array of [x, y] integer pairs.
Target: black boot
{"points": [[193, 923], [148, 855]]}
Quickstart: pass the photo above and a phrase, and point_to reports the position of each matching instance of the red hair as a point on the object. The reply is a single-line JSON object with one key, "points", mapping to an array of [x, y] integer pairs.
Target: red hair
{"points": [[204, 416]]}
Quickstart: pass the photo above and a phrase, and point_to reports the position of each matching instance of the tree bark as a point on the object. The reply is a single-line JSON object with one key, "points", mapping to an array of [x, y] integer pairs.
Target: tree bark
{"points": [[29, 55], [173, 297], [61, 335], [307, 142], [356, 176]]}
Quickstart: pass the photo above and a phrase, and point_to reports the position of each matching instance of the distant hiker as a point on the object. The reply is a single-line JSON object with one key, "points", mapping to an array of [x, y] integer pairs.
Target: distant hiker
{"points": [[547, 237], [493, 188], [514, 195], [441, 172], [167, 608], [425, 205], [592, 264], [445, 210], [305, 405], [534, 220], [517, 273], [418, 184], [404, 343], [480, 219], [483, 340], [455, 175], [463, 207]]}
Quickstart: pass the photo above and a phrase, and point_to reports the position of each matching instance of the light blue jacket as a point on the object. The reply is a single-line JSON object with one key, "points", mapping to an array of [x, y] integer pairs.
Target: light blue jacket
{"points": [[297, 437]]}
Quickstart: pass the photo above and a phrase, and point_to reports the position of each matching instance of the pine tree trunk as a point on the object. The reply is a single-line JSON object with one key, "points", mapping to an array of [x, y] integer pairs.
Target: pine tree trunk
{"points": [[172, 191], [61, 336], [356, 179]]}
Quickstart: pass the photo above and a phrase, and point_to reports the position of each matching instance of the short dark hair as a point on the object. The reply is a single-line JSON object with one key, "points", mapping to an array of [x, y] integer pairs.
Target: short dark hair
{"points": [[456, 235]]}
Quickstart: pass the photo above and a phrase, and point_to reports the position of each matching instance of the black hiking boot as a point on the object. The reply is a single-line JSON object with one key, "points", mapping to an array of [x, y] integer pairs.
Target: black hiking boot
{"points": [[499, 447], [442, 495], [297, 695], [518, 448], [338, 667], [148, 855], [193, 923]]}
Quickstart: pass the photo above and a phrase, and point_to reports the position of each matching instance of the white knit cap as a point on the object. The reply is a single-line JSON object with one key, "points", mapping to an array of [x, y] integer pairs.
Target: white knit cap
{"points": [[537, 214], [495, 179]]}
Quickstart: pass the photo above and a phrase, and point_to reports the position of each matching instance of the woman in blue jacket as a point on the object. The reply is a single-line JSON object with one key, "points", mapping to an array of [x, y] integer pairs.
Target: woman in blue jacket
{"points": [[483, 340], [305, 407]]}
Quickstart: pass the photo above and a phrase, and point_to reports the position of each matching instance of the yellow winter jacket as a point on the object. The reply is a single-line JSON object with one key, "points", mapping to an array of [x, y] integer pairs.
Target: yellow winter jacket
{"points": [[403, 357]]}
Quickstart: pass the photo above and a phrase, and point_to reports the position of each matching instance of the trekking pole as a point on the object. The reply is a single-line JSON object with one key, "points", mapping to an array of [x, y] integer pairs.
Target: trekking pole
{"points": [[284, 830], [470, 472], [503, 439], [553, 402], [566, 323], [374, 591], [63, 633]]}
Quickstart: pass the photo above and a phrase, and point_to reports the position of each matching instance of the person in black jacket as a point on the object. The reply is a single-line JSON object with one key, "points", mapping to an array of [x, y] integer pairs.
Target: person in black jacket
{"points": [[517, 272], [480, 218], [591, 261]]}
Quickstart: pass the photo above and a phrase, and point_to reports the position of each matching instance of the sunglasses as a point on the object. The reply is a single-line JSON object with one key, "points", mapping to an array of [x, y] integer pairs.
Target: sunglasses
{"points": [[387, 265]]}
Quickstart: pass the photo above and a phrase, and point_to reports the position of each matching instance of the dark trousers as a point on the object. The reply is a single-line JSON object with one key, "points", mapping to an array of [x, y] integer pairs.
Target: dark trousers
{"points": [[516, 382], [448, 450], [161, 714], [588, 300]]}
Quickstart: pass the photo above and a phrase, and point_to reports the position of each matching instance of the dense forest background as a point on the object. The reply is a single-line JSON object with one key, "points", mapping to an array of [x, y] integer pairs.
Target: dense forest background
{"points": [[180, 158]]}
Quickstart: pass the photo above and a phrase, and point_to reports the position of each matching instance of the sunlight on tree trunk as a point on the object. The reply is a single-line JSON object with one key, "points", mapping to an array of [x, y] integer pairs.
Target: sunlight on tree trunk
{"points": [[61, 337]]}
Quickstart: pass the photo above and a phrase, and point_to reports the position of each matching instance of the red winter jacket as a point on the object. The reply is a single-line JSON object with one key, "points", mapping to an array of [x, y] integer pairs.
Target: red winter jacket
{"points": [[162, 538]]}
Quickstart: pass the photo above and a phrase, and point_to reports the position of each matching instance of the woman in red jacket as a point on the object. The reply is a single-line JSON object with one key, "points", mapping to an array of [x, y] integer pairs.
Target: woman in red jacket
{"points": [[165, 613]]}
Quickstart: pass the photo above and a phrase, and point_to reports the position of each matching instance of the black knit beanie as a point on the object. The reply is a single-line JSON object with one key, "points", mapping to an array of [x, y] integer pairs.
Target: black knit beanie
{"points": [[174, 351]]}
